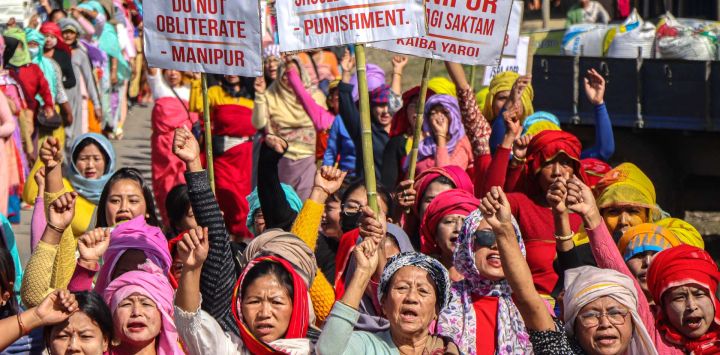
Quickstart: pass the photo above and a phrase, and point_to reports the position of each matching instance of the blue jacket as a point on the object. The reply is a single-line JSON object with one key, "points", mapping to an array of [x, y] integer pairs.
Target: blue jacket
{"points": [[339, 142]]}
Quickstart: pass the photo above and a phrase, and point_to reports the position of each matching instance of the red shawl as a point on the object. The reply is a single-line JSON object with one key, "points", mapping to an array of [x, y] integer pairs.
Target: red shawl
{"points": [[400, 123], [345, 248], [172, 246], [595, 169], [677, 266], [449, 202], [299, 319]]}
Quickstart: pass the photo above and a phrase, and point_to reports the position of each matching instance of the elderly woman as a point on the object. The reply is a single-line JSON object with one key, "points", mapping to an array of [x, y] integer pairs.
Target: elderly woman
{"points": [[601, 306], [684, 282], [482, 302], [413, 290], [270, 306]]}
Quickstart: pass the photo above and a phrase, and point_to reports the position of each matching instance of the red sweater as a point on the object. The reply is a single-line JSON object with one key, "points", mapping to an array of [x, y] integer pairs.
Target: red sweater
{"points": [[32, 80]]}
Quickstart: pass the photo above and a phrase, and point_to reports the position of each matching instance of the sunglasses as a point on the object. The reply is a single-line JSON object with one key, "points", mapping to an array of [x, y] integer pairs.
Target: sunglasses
{"points": [[483, 238]]}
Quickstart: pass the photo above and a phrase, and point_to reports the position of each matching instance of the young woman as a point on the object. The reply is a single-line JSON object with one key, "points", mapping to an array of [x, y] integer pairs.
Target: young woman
{"points": [[445, 142], [88, 331]]}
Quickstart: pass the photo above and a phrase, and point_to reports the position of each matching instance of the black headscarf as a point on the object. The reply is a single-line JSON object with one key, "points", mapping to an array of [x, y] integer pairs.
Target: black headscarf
{"points": [[11, 45]]}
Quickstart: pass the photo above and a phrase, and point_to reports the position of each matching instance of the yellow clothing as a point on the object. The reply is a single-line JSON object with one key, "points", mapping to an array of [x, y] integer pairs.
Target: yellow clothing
{"points": [[540, 126], [504, 82], [627, 185], [322, 293], [216, 96], [646, 236], [84, 209], [442, 86], [684, 231], [50, 266]]}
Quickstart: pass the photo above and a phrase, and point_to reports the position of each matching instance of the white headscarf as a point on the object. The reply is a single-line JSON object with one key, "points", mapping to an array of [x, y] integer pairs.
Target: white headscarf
{"points": [[587, 283]]}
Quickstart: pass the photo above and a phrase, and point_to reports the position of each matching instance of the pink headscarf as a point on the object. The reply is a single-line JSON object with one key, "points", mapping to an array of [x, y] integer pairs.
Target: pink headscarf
{"points": [[150, 282], [134, 234]]}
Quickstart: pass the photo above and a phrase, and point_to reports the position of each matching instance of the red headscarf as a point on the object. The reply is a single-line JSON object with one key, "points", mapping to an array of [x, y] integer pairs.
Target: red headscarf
{"points": [[595, 169], [677, 266], [546, 145], [448, 202], [299, 319], [172, 246], [52, 28], [455, 173], [400, 123]]}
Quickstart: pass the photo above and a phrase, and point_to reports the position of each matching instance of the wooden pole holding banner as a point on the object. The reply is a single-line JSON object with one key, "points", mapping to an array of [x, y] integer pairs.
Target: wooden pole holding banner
{"points": [[420, 108], [473, 75], [366, 129], [208, 132]]}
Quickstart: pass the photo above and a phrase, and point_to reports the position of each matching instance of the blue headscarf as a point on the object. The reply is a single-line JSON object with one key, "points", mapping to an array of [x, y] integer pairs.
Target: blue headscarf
{"points": [[537, 117], [254, 203], [45, 64], [90, 188], [9, 242]]}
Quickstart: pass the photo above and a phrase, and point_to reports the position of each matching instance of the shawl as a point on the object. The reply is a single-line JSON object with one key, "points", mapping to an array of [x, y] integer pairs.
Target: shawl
{"points": [[442, 86], [428, 146], [400, 123], [134, 234], [284, 245], [646, 237], [588, 283], [434, 268], [448, 202], [254, 204], [504, 82], [684, 231], [682, 265], [45, 64], [299, 319], [627, 185], [14, 37], [91, 189], [595, 169], [455, 173], [150, 282], [458, 319]]}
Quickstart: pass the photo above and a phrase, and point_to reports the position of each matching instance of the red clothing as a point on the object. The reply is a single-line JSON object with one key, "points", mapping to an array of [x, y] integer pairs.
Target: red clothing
{"points": [[32, 80], [347, 244], [486, 309]]}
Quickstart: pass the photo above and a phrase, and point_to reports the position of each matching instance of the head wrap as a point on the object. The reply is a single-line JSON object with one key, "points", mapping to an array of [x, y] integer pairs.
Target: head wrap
{"points": [[595, 169], [448, 202], [540, 121], [254, 204], [458, 319], [150, 282], [375, 77], [504, 82], [271, 51], [627, 185], [434, 268], [684, 231], [401, 123], [588, 283], [287, 246], [299, 318], [14, 37], [678, 266], [646, 237], [442, 86], [455, 173], [428, 146], [91, 189], [547, 145], [70, 24], [45, 64], [481, 96], [333, 84], [52, 28], [134, 234], [380, 95]]}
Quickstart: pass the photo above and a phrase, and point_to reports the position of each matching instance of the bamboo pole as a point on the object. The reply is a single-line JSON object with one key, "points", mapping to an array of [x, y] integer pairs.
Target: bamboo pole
{"points": [[473, 75], [366, 129], [420, 108], [208, 132]]}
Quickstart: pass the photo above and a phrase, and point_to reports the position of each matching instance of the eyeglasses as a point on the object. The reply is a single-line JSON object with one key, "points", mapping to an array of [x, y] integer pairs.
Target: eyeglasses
{"points": [[351, 208], [591, 319], [484, 238]]}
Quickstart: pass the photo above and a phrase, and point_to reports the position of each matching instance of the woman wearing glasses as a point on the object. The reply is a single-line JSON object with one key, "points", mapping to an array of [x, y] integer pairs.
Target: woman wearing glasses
{"points": [[600, 305]]}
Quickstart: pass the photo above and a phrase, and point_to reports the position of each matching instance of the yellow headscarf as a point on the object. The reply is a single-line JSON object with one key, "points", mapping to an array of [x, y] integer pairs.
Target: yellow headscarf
{"points": [[540, 126], [504, 82], [481, 96], [684, 231], [442, 86]]}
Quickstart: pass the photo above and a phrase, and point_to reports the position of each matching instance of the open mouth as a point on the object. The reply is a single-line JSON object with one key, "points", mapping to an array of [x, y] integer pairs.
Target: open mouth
{"points": [[122, 218], [693, 323], [408, 315], [494, 260], [606, 339], [264, 329], [135, 327]]}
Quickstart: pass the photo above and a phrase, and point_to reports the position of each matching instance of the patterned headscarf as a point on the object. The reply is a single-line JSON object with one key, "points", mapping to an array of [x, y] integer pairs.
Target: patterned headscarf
{"points": [[684, 231], [504, 82], [434, 268], [540, 121], [627, 185], [375, 77], [428, 146], [646, 237], [458, 319], [380, 95]]}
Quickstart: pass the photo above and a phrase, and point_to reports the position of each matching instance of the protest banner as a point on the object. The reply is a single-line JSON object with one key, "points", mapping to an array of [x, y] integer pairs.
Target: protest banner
{"points": [[461, 31], [307, 24], [207, 36], [517, 63], [513, 30]]}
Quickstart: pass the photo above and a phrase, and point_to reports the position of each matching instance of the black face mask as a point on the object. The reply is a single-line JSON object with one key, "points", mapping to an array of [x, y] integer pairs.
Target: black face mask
{"points": [[349, 221]]}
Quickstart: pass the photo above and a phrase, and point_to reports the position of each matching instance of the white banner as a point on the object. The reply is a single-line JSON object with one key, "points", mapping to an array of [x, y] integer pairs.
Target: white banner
{"points": [[517, 64], [209, 36], [307, 24], [462, 31], [513, 30]]}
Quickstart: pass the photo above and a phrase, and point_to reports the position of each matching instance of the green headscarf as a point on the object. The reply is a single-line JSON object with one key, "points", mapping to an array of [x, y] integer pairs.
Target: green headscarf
{"points": [[21, 56], [45, 64]]}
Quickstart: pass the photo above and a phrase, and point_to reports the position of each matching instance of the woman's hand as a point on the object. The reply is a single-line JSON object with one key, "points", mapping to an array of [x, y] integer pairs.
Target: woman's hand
{"points": [[347, 63], [495, 207], [260, 85], [594, 87], [329, 179], [515, 99], [186, 147], [398, 64], [370, 226], [276, 143], [406, 195], [40, 180], [366, 256], [520, 146], [55, 308], [556, 195], [62, 211], [51, 153], [92, 246], [440, 125], [193, 249], [580, 200]]}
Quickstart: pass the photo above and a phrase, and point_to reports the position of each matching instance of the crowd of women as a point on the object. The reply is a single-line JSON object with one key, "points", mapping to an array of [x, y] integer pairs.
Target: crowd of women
{"points": [[513, 238]]}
